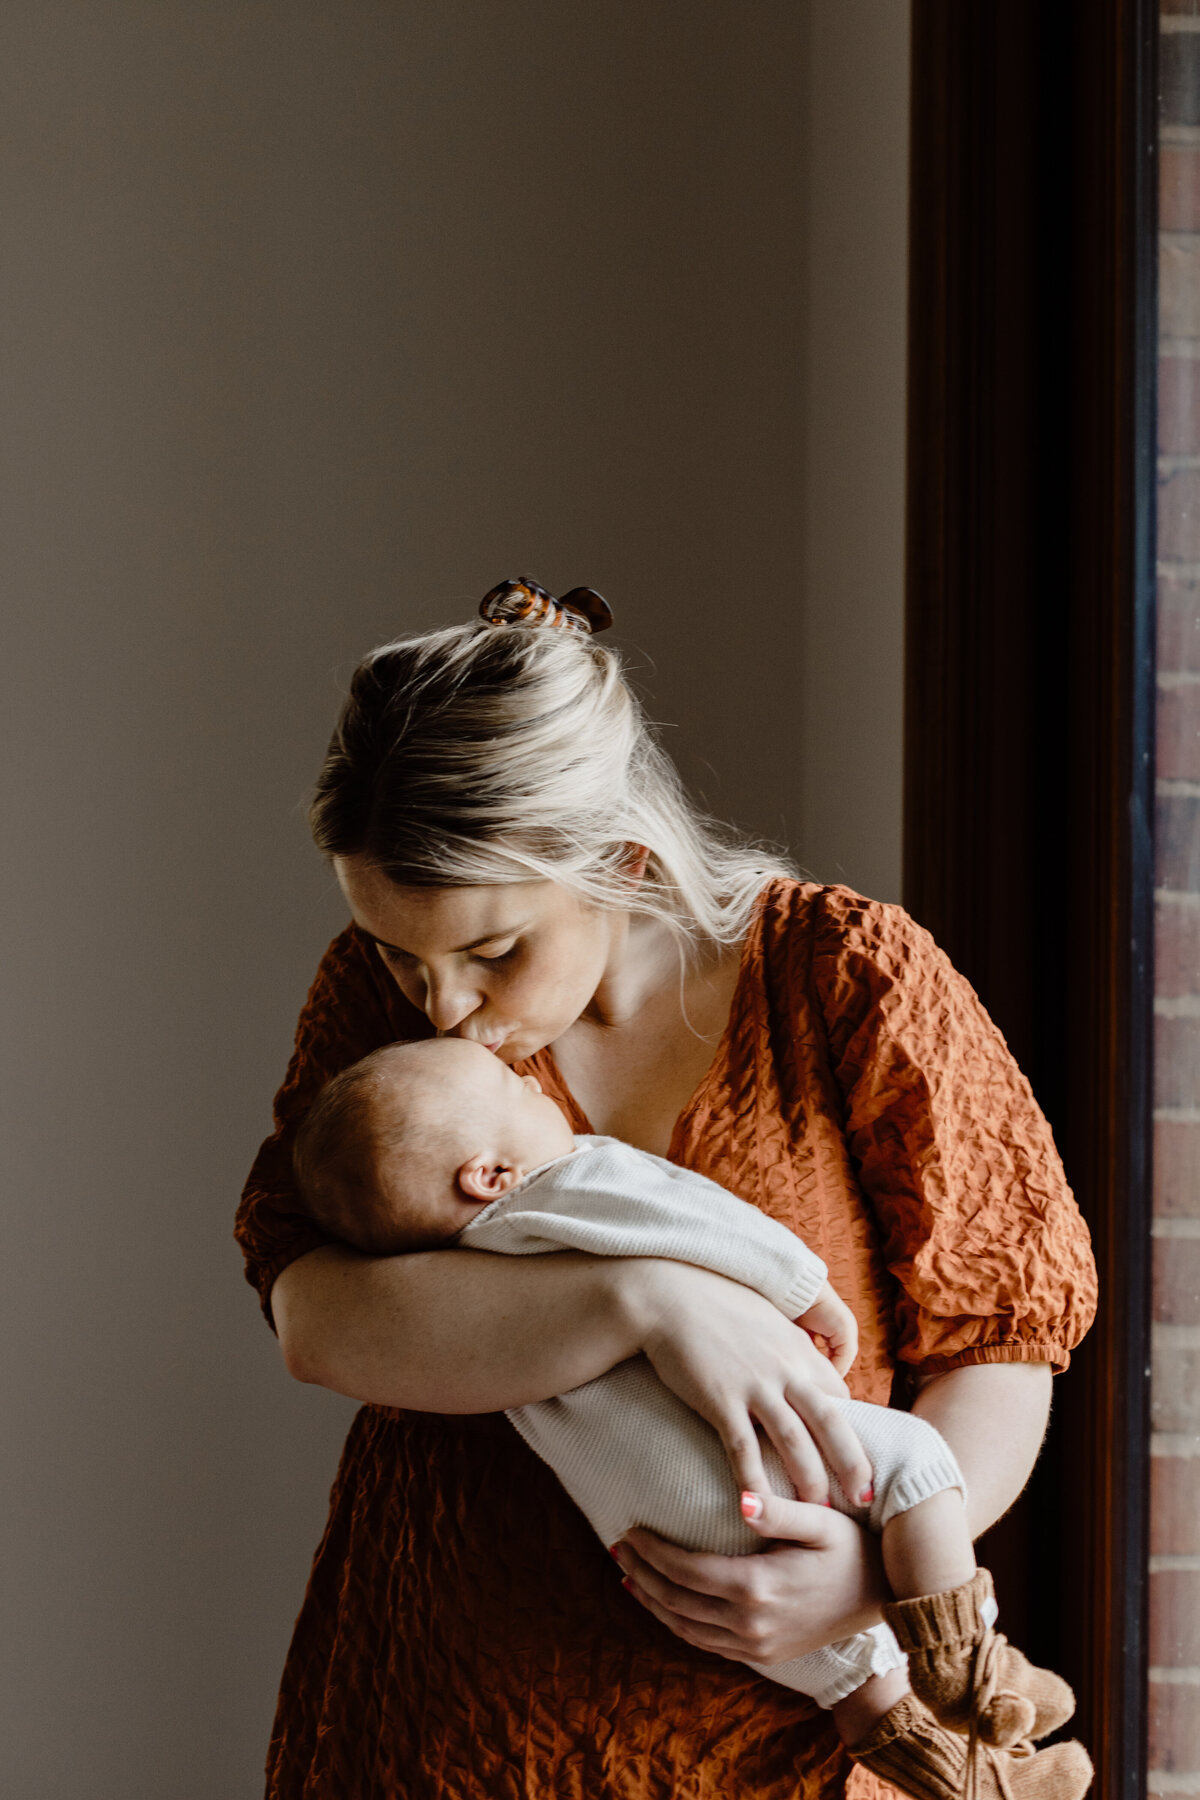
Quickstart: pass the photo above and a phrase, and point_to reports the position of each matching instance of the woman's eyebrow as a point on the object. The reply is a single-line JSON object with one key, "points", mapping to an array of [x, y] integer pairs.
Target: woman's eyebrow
{"points": [[489, 937]]}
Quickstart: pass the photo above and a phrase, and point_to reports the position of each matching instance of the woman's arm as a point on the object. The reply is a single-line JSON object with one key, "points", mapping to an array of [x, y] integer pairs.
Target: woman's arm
{"points": [[460, 1331], [821, 1578], [451, 1331], [993, 1416]]}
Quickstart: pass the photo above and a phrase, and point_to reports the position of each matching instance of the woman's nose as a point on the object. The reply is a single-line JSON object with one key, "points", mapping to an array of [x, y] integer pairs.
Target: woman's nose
{"points": [[447, 1004]]}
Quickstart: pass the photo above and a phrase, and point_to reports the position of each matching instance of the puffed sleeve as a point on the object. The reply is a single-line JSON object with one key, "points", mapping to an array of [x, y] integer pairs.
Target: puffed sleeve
{"points": [[979, 1227], [353, 1007]]}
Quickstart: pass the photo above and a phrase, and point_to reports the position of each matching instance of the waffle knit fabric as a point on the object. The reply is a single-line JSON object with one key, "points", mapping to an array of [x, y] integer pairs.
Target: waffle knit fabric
{"points": [[460, 1639], [627, 1450]]}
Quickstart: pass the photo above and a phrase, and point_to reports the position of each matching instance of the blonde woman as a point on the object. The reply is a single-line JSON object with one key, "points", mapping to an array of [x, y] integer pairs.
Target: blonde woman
{"points": [[522, 869]]}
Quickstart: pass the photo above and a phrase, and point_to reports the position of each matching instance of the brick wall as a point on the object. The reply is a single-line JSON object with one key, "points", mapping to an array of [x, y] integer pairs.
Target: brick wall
{"points": [[1174, 1749]]}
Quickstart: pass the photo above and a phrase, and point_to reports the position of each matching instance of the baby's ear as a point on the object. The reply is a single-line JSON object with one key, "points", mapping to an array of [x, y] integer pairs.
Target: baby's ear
{"points": [[484, 1180]]}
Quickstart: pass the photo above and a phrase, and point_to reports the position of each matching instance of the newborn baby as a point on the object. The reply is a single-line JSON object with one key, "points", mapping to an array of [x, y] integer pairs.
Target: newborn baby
{"points": [[425, 1145]]}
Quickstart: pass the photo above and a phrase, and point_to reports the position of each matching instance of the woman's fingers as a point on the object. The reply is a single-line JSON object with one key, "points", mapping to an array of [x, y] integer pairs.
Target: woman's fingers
{"points": [[744, 1452], [724, 1579], [771, 1516], [704, 1637], [838, 1445], [791, 1437], [732, 1624], [678, 1598], [763, 1609]]}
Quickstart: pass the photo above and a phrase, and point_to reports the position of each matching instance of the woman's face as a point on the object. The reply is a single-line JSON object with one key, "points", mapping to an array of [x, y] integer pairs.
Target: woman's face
{"points": [[507, 967]]}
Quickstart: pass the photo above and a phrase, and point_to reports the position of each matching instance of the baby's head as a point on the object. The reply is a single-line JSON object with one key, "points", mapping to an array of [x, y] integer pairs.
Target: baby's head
{"points": [[402, 1150]]}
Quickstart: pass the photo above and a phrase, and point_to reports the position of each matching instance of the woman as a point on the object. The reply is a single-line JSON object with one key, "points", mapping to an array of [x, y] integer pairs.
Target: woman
{"points": [[523, 869]]}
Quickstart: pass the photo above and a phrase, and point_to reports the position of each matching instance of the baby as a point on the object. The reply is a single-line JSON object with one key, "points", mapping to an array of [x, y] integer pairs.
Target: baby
{"points": [[426, 1145]]}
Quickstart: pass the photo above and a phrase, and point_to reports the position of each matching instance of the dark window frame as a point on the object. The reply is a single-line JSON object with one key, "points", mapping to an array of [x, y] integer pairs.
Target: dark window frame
{"points": [[1029, 770]]}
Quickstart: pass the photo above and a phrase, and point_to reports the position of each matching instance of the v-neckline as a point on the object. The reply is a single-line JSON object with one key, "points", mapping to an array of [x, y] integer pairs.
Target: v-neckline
{"points": [[583, 1125]]}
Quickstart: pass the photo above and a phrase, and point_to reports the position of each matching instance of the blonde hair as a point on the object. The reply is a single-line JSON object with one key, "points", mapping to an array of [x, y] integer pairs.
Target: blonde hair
{"points": [[493, 754]]}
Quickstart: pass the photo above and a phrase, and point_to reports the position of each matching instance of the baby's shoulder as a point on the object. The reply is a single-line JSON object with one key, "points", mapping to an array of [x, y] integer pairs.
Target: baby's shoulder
{"points": [[607, 1166]]}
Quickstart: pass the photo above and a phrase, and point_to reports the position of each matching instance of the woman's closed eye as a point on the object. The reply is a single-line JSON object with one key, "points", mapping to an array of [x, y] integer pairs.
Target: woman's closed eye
{"points": [[401, 958], [496, 956], [395, 958]]}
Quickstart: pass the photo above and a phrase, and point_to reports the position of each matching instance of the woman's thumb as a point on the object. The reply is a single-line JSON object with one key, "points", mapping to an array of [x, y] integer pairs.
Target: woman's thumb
{"points": [[771, 1516]]}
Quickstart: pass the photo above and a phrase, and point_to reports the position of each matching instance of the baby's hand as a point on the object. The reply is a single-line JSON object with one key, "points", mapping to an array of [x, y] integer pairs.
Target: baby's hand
{"points": [[831, 1319]]}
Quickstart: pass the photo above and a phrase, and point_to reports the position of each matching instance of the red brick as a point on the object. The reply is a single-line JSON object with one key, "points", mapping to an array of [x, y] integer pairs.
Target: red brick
{"points": [[1174, 1724], [1177, 1281], [1176, 949], [1178, 754], [1179, 188], [1175, 1509], [1179, 402], [1175, 1618], [1176, 1170], [1179, 618], [1179, 515], [1178, 292], [1177, 1062], [1179, 78], [1174, 1386], [1177, 842]]}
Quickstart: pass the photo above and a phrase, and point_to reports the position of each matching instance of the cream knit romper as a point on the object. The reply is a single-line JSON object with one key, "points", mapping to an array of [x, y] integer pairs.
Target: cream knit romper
{"points": [[628, 1450]]}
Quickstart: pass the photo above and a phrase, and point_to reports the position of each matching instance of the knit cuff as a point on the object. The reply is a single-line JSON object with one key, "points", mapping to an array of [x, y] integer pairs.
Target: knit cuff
{"points": [[810, 1277], [911, 1486], [948, 1619], [838, 1670]]}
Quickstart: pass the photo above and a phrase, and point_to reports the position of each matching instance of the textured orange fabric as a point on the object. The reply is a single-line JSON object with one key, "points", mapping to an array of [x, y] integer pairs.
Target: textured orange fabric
{"points": [[463, 1637]]}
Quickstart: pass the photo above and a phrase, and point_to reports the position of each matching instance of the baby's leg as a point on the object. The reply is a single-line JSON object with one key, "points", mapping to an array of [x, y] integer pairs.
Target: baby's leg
{"points": [[928, 1549], [860, 1712], [958, 1666], [944, 1609]]}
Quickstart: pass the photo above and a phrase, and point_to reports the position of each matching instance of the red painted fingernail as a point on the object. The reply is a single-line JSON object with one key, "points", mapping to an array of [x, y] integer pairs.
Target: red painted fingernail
{"points": [[752, 1506], [627, 1584], [827, 1503], [867, 1495], [614, 1552]]}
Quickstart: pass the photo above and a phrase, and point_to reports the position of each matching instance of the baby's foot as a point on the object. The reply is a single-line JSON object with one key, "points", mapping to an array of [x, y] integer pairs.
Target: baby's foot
{"points": [[965, 1672], [914, 1752]]}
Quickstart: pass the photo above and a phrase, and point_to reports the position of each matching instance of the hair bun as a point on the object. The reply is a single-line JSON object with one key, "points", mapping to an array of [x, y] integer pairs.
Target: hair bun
{"points": [[523, 601], [593, 606]]}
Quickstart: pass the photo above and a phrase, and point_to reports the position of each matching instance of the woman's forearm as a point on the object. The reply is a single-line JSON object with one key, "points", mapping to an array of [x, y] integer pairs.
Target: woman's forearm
{"points": [[455, 1331], [993, 1416]]}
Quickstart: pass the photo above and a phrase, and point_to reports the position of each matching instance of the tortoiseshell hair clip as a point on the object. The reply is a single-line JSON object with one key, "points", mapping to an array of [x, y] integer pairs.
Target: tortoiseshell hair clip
{"points": [[524, 601]]}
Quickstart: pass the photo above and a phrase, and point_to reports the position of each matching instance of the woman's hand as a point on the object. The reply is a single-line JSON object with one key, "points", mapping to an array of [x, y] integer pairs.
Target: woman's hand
{"points": [[819, 1579], [735, 1360]]}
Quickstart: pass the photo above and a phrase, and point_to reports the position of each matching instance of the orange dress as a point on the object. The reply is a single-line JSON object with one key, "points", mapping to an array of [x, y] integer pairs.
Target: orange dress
{"points": [[463, 1637]]}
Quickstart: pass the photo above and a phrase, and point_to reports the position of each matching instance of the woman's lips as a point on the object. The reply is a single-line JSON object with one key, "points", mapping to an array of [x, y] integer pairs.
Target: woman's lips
{"points": [[492, 1044]]}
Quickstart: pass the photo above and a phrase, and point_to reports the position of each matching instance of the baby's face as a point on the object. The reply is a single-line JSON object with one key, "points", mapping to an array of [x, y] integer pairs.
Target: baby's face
{"points": [[495, 1126]]}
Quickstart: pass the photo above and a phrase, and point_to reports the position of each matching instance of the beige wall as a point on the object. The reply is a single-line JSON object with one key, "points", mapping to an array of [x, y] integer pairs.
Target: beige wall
{"points": [[320, 319]]}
